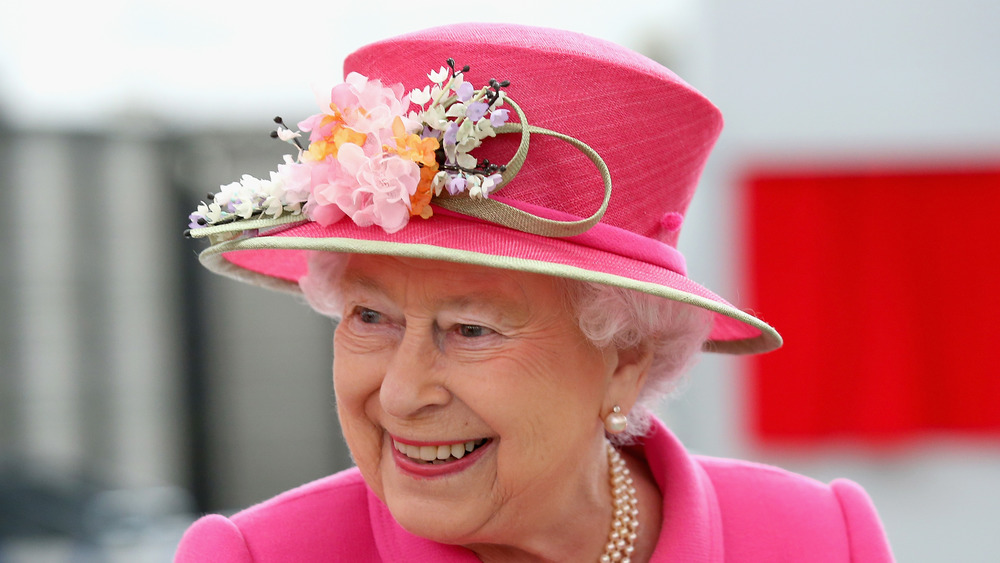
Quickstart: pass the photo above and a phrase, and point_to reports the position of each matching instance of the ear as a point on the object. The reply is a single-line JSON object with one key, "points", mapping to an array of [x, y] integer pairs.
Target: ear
{"points": [[627, 372]]}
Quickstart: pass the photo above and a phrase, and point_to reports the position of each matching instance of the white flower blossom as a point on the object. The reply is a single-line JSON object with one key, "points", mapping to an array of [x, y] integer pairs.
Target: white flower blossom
{"points": [[421, 97], [451, 153], [489, 183], [467, 144], [440, 179], [272, 206], [212, 212], [484, 129], [466, 160], [226, 193], [465, 129], [440, 76], [474, 186], [250, 184], [435, 119], [244, 208], [286, 134]]}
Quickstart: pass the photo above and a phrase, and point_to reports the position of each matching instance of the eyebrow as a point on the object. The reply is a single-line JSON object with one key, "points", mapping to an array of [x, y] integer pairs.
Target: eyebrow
{"points": [[351, 280], [496, 306]]}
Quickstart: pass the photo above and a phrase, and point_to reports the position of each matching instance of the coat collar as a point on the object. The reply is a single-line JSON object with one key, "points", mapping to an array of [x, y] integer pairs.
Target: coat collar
{"points": [[692, 525]]}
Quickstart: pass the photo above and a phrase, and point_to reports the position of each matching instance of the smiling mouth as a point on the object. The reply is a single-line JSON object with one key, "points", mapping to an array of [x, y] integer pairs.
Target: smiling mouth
{"points": [[436, 455]]}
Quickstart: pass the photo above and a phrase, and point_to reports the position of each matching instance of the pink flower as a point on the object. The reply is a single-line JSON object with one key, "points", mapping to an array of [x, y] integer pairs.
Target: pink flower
{"points": [[325, 215], [360, 111], [294, 179], [371, 190], [327, 182], [367, 106], [320, 126]]}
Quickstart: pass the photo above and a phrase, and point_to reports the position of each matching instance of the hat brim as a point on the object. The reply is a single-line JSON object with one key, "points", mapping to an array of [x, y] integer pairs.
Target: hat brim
{"points": [[276, 258]]}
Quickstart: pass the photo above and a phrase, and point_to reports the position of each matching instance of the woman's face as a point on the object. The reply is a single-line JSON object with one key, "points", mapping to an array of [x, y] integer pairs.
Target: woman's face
{"points": [[434, 359]]}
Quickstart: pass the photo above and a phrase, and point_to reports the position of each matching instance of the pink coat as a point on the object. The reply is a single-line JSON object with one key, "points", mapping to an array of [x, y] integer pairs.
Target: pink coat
{"points": [[713, 510]]}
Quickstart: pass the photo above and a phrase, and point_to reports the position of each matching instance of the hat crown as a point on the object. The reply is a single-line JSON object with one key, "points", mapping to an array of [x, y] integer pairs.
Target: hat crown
{"points": [[652, 129]]}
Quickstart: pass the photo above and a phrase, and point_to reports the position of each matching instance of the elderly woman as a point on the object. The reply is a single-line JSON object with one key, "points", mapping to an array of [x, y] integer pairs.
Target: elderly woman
{"points": [[506, 319]]}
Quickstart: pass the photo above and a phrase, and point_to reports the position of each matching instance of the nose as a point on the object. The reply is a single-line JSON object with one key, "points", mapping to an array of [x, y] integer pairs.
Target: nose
{"points": [[413, 383]]}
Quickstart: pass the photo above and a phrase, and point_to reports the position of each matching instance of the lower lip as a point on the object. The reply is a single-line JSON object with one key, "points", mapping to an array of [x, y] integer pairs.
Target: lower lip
{"points": [[431, 470]]}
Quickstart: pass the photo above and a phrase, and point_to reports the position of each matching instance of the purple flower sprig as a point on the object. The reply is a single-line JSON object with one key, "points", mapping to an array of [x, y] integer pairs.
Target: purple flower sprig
{"points": [[461, 117]]}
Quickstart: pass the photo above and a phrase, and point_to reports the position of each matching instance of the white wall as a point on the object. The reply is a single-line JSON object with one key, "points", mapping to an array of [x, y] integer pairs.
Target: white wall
{"points": [[850, 83]]}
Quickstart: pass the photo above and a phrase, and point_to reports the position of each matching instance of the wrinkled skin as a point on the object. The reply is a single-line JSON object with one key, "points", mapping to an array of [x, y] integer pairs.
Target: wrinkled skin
{"points": [[439, 352]]}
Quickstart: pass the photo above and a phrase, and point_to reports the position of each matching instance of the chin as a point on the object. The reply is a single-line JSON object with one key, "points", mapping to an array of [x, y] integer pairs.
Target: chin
{"points": [[451, 509], [436, 521]]}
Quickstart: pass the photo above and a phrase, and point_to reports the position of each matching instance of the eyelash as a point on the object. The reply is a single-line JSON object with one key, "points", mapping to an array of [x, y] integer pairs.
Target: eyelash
{"points": [[466, 331], [368, 316]]}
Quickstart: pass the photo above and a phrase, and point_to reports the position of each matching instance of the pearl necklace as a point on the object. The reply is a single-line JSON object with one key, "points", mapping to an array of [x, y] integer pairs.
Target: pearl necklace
{"points": [[625, 521]]}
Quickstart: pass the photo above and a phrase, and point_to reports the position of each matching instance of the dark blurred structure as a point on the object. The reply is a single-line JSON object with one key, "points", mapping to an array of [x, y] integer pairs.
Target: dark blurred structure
{"points": [[137, 389]]}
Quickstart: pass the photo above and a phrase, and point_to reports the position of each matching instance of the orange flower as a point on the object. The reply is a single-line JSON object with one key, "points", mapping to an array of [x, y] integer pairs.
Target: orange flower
{"points": [[329, 146], [411, 146], [421, 199], [343, 135]]}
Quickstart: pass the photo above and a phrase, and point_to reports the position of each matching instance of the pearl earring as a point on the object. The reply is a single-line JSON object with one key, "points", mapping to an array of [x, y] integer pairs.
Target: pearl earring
{"points": [[615, 422]]}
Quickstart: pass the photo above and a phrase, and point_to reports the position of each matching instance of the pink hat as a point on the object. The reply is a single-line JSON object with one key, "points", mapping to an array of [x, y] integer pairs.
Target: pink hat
{"points": [[405, 163]]}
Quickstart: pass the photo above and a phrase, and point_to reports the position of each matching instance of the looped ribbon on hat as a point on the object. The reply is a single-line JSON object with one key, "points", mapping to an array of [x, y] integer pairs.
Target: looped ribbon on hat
{"points": [[511, 217]]}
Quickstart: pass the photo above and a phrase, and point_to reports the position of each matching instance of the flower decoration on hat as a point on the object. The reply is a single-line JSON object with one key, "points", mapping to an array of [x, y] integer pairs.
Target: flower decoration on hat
{"points": [[372, 158]]}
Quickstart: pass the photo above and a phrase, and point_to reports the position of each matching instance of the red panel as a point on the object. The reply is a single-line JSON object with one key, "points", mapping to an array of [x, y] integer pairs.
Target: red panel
{"points": [[885, 287]]}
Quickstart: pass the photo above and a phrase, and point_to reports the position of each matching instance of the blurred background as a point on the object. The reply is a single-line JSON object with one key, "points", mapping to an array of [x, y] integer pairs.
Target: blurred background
{"points": [[851, 201]]}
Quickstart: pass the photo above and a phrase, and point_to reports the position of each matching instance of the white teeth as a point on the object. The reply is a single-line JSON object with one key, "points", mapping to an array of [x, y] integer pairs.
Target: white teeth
{"points": [[437, 454]]}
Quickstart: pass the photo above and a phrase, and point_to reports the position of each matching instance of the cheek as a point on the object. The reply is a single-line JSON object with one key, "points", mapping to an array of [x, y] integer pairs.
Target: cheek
{"points": [[545, 413], [556, 373], [356, 374], [355, 384], [543, 395], [347, 385]]}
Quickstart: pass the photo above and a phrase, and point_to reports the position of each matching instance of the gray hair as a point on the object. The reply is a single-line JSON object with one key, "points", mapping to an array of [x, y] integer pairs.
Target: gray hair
{"points": [[606, 315], [626, 318]]}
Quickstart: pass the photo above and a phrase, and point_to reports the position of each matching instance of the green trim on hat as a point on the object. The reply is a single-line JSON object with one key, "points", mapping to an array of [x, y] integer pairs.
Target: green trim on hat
{"points": [[212, 258]]}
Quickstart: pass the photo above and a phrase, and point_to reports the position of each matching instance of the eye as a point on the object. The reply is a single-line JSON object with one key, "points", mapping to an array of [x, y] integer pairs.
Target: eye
{"points": [[369, 316], [473, 331]]}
